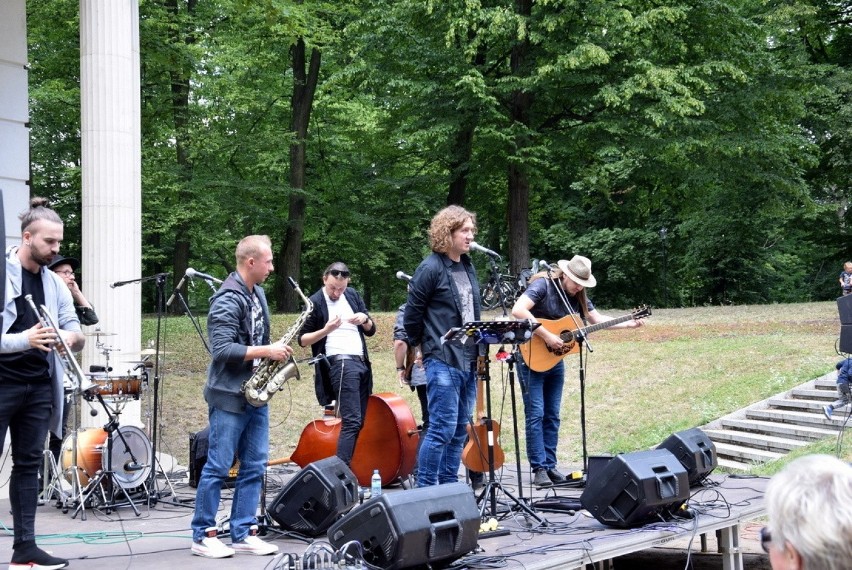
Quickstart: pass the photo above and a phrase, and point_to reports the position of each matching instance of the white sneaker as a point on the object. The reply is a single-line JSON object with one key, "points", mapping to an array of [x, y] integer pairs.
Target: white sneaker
{"points": [[254, 545], [211, 547]]}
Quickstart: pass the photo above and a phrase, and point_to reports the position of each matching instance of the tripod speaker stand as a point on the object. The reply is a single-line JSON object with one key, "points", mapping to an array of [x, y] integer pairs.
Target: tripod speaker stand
{"points": [[493, 332]]}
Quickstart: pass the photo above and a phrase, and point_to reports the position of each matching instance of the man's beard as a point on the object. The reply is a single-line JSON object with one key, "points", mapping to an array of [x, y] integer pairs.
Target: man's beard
{"points": [[41, 260]]}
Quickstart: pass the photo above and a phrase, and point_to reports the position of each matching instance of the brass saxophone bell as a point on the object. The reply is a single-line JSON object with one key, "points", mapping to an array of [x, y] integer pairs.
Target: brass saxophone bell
{"points": [[290, 371]]}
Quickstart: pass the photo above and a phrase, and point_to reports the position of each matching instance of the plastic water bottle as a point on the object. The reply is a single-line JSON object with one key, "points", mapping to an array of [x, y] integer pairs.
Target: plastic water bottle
{"points": [[376, 484]]}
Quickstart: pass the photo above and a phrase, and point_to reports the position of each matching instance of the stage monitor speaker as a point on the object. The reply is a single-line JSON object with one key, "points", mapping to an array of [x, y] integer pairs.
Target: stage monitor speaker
{"points": [[844, 309], [637, 488], [695, 452], [425, 526], [316, 497], [845, 344]]}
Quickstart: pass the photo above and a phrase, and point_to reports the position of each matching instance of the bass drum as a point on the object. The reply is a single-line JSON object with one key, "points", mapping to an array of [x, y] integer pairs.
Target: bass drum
{"points": [[130, 447]]}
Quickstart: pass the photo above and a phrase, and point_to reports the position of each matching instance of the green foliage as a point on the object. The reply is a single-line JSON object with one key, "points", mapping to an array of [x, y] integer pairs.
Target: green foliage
{"points": [[726, 122]]}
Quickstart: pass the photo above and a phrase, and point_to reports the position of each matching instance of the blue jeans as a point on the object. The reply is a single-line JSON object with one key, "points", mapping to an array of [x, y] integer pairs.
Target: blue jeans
{"points": [[247, 435], [542, 394], [451, 394], [25, 410]]}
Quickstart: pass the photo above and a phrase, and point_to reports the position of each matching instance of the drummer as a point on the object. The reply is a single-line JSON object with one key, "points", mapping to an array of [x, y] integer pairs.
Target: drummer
{"points": [[65, 267]]}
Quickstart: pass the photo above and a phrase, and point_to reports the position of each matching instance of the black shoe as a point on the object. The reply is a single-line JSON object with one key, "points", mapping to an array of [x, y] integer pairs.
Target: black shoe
{"points": [[555, 476], [477, 480], [28, 556], [540, 478]]}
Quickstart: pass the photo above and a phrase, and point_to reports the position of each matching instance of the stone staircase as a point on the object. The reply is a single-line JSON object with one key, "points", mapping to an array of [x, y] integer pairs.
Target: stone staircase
{"points": [[768, 430]]}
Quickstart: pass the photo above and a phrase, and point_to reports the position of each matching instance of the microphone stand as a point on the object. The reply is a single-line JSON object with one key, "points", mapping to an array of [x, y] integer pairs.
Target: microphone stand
{"points": [[192, 318], [160, 303], [581, 341]]}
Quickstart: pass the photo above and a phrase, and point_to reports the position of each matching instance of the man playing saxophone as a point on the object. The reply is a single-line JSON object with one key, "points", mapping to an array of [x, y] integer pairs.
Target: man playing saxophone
{"points": [[30, 372], [238, 328]]}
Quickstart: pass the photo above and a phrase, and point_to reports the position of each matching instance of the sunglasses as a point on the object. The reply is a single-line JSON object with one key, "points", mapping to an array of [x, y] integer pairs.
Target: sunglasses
{"points": [[339, 273], [765, 539]]}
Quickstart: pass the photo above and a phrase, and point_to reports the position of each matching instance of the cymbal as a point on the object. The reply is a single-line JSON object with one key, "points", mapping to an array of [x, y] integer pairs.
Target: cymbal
{"points": [[99, 333]]}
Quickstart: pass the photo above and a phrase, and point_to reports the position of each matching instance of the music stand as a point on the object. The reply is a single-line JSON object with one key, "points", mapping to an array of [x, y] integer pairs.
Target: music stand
{"points": [[493, 332]]}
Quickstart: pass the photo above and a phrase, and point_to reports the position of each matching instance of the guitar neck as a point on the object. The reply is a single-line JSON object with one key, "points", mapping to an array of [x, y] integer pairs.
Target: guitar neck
{"points": [[606, 324]]}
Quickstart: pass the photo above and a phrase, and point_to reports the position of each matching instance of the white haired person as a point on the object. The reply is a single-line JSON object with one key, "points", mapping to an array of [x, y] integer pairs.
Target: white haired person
{"points": [[809, 504]]}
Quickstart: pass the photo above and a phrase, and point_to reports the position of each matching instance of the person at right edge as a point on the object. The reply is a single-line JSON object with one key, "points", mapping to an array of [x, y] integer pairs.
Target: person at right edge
{"points": [[444, 293], [542, 391], [844, 394]]}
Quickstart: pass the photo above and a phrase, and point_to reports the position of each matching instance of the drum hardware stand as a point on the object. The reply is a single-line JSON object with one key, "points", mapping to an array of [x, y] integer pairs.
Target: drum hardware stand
{"points": [[75, 494], [109, 474]]}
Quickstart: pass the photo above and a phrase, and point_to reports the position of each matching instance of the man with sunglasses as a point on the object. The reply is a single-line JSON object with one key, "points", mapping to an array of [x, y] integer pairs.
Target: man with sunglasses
{"points": [[337, 328]]}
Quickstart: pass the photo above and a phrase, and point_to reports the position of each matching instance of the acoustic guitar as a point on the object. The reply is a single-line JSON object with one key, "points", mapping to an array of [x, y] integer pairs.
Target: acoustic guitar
{"points": [[485, 430], [540, 357]]}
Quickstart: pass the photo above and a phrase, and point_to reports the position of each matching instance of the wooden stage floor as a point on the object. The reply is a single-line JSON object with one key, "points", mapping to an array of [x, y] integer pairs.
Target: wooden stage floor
{"points": [[160, 538]]}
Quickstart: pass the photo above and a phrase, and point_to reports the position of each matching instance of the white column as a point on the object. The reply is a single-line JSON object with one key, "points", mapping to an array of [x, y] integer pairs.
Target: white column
{"points": [[14, 116], [112, 184]]}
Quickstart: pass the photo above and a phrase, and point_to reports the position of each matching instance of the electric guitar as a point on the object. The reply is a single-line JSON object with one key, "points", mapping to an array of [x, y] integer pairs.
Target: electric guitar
{"points": [[540, 357]]}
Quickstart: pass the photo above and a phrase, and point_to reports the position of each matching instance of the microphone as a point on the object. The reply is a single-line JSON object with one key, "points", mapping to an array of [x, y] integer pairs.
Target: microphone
{"points": [[192, 273], [96, 368], [403, 276], [178, 288], [132, 466], [485, 250], [544, 266]]}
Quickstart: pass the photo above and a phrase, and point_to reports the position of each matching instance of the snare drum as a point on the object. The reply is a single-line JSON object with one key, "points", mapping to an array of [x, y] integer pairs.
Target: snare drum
{"points": [[116, 386]]}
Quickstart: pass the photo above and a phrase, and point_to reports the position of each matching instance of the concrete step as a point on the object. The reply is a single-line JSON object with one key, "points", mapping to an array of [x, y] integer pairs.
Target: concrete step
{"points": [[815, 419], [811, 394], [755, 440], [778, 429], [735, 465], [823, 382], [745, 454], [804, 405]]}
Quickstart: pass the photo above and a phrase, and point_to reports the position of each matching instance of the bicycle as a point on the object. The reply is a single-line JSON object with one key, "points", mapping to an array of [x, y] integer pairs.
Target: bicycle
{"points": [[510, 287]]}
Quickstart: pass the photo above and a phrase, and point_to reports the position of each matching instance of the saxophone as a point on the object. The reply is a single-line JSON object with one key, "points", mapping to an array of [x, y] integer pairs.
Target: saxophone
{"points": [[271, 375]]}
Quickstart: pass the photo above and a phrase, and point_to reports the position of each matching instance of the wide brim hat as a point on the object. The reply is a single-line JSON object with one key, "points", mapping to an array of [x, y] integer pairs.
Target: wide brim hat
{"points": [[579, 270], [60, 260]]}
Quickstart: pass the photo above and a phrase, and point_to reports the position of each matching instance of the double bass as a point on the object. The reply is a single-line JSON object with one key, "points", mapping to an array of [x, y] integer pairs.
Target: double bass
{"points": [[387, 441]]}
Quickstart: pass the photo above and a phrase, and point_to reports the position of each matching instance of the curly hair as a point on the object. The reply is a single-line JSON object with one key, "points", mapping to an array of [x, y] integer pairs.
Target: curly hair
{"points": [[444, 223], [38, 210]]}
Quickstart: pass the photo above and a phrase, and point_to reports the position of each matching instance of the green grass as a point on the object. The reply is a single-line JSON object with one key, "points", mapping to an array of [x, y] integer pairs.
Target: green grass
{"points": [[683, 369]]}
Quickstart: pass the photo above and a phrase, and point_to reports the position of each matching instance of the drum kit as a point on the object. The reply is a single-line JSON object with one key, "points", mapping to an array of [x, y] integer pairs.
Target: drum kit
{"points": [[96, 467]]}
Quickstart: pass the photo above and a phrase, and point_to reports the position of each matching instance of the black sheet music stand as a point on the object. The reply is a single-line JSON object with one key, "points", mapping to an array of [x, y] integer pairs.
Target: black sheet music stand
{"points": [[493, 332]]}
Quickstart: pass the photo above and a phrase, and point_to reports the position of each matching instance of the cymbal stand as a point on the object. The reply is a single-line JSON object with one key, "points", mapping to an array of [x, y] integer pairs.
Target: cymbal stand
{"points": [[490, 490], [108, 474]]}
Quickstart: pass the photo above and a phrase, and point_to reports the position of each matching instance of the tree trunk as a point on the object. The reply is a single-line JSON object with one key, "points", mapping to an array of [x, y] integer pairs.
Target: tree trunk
{"points": [[518, 181], [304, 88], [179, 79]]}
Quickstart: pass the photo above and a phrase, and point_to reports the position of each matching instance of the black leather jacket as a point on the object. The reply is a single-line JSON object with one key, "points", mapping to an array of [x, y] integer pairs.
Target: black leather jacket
{"points": [[434, 306]]}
